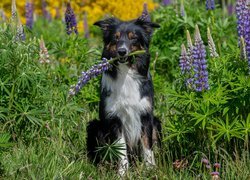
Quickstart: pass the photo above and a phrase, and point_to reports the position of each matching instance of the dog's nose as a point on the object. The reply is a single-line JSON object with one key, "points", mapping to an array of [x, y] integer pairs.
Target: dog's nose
{"points": [[122, 51]]}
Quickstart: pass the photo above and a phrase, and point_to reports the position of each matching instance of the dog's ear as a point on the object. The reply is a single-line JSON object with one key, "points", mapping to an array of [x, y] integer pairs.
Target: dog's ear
{"points": [[148, 26], [107, 24]]}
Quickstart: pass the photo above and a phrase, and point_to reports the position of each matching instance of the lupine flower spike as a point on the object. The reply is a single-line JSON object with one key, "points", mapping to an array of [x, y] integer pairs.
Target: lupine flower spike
{"points": [[184, 61], [86, 27], [200, 63], [211, 45], [45, 12], [29, 14], [2, 16], [88, 75], [243, 26], [210, 5], [20, 35], [182, 9], [13, 11], [189, 47], [145, 15], [166, 2], [190, 79], [70, 20], [43, 54]]}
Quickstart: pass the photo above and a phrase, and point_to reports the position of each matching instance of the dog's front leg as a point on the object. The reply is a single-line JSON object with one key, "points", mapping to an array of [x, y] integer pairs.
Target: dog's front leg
{"points": [[147, 141], [123, 164]]}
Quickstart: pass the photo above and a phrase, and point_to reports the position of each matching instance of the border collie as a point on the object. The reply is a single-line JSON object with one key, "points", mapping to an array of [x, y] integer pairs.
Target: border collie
{"points": [[126, 105]]}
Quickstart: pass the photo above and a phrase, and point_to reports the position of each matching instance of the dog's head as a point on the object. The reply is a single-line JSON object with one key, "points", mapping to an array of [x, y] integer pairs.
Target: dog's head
{"points": [[123, 37]]}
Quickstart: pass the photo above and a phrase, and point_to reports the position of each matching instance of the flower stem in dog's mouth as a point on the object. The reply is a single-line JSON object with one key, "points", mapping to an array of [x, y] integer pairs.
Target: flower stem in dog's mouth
{"points": [[96, 70]]}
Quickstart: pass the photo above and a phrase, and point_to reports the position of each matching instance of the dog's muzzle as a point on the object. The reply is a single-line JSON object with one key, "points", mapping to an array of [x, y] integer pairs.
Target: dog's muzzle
{"points": [[122, 53]]}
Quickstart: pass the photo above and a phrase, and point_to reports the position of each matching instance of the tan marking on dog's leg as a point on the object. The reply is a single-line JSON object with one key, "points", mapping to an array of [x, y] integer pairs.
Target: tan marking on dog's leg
{"points": [[147, 151]]}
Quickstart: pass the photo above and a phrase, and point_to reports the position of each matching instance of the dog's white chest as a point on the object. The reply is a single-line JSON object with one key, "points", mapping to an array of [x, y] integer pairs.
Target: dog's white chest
{"points": [[125, 101]]}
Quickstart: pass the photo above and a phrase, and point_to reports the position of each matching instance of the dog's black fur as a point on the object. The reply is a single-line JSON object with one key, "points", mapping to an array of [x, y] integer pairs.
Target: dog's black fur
{"points": [[121, 38]]}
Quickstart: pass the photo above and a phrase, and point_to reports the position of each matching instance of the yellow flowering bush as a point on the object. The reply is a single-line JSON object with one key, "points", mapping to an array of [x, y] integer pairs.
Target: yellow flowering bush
{"points": [[95, 9]]}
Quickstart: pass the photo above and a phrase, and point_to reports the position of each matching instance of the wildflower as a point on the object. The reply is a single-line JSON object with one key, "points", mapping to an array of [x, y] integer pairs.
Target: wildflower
{"points": [[215, 175], [211, 45], [189, 47], [243, 27], [86, 27], [182, 9], [13, 11], [43, 54], [70, 20], [88, 75], [190, 79], [45, 12], [205, 161], [2, 16], [208, 166], [184, 61], [20, 35], [230, 9], [166, 2], [145, 15], [210, 5], [29, 14], [199, 64], [217, 165]]}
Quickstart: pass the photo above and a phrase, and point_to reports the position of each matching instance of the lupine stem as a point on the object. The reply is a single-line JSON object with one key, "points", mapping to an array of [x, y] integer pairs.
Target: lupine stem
{"points": [[131, 54], [95, 71]]}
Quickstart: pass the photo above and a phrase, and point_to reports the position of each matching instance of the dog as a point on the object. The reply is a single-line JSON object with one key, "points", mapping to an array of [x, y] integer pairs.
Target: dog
{"points": [[127, 95]]}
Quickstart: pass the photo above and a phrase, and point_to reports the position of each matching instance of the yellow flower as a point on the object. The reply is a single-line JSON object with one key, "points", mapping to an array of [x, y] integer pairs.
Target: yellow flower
{"points": [[96, 10]]}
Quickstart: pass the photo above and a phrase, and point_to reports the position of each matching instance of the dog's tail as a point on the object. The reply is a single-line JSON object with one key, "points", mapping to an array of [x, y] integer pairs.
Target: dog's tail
{"points": [[94, 139]]}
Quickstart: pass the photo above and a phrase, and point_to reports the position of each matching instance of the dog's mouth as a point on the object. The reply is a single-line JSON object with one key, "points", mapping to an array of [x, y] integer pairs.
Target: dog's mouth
{"points": [[123, 60]]}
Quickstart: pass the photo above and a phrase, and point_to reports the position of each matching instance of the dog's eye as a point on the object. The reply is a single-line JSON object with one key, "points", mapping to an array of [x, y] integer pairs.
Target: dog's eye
{"points": [[117, 35], [132, 36]]}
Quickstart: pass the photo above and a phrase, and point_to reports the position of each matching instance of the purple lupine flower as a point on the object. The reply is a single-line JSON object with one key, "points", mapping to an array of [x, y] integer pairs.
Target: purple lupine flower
{"points": [[20, 35], [210, 5], [45, 12], [85, 25], [243, 25], [230, 8], [241, 12], [70, 20], [145, 15], [182, 9], [190, 79], [211, 45], [184, 61], [166, 2], [199, 64], [88, 75], [29, 14], [2, 15]]}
